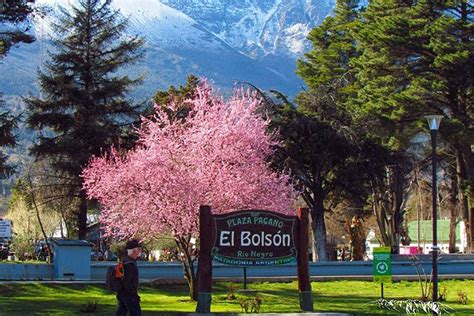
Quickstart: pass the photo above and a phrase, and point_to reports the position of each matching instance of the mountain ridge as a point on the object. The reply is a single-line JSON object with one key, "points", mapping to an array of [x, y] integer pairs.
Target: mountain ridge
{"points": [[226, 41]]}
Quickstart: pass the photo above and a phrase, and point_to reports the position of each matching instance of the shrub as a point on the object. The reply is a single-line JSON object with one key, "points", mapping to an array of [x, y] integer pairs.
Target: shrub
{"points": [[90, 307], [23, 248], [443, 294], [462, 297], [231, 292], [251, 305], [413, 306]]}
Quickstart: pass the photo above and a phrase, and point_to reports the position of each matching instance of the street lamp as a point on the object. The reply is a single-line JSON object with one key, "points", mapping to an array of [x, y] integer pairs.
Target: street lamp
{"points": [[433, 123]]}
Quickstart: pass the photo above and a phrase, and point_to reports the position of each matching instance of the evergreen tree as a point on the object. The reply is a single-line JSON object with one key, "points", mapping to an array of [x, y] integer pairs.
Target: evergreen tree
{"points": [[7, 139], [13, 12], [389, 102], [417, 58], [177, 96], [450, 89], [84, 110], [333, 47]]}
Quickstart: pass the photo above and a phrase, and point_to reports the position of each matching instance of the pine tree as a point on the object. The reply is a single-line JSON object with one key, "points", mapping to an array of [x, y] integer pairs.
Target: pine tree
{"points": [[12, 12], [389, 101], [7, 139], [333, 47], [84, 110], [417, 58], [450, 89]]}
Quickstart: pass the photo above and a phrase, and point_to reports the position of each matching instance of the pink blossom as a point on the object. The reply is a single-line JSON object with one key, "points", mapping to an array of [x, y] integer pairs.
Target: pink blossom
{"points": [[217, 156]]}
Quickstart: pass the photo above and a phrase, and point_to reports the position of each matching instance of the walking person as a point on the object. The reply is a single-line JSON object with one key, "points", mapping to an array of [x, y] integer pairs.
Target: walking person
{"points": [[128, 299]]}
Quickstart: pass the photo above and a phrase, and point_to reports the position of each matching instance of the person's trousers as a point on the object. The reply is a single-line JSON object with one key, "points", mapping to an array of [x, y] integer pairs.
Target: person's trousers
{"points": [[127, 304]]}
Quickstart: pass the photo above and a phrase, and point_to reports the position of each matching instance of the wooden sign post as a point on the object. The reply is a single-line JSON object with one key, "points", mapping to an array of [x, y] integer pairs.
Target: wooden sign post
{"points": [[205, 262], [304, 283], [252, 238]]}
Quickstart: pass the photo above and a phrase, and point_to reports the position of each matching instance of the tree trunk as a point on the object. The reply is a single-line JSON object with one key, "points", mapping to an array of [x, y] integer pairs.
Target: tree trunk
{"points": [[32, 195], [187, 261], [467, 151], [462, 179], [453, 212], [389, 199], [82, 217], [314, 256], [319, 229], [357, 236]]}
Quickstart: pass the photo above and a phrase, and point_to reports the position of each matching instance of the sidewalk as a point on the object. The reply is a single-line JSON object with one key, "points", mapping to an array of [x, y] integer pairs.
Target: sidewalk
{"points": [[234, 314]]}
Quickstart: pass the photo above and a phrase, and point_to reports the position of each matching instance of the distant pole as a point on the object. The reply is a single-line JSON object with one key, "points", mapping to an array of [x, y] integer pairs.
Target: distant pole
{"points": [[205, 262], [245, 278], [433, 122], [304, 283]]}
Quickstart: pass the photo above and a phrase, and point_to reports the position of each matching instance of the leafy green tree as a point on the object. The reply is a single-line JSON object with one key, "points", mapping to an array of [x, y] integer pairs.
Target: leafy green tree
{"points": [[177, 94], [83, 109], [321, 155]]}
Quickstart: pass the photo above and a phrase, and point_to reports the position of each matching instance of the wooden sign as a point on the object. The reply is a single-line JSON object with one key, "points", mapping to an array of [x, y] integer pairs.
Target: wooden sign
{"points": [[254, 238]]}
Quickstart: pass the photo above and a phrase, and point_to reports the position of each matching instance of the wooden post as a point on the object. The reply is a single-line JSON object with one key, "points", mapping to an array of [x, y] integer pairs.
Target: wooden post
{"points": [[205, 261], [304, 283]]}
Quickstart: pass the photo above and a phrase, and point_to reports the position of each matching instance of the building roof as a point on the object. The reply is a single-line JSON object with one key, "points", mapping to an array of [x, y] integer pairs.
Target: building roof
{"points": [[72, 242]]}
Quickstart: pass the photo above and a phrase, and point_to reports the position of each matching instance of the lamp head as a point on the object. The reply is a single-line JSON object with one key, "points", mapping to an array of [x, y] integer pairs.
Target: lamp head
{"points": [[434, 121]]}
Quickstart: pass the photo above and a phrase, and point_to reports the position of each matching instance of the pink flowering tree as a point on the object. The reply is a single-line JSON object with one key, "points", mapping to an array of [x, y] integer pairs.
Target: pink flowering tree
{"points": [[217, 155]]}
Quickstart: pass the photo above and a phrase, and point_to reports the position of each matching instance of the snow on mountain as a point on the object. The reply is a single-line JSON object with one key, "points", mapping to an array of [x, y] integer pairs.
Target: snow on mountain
{"points": [[228, 41], [258, 27]]}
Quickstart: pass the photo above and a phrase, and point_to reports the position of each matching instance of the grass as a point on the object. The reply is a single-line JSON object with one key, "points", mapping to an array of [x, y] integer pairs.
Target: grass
{"points": [[352, 297]]}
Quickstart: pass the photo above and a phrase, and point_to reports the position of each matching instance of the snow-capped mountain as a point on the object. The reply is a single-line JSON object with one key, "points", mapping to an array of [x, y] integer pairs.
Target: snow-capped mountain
{"points": [[258, 27], [228, 41]]}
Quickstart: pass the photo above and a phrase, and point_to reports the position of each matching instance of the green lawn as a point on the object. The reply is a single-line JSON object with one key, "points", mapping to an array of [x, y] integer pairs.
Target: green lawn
{"points": [[338, 296]]}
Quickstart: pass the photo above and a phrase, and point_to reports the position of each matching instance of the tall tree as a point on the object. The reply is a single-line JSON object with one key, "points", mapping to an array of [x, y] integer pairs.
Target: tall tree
{"points": [[217, 156], [417, 58], [321, 153], [450, 86], [83, 109], [388, 104], [327, 71]]}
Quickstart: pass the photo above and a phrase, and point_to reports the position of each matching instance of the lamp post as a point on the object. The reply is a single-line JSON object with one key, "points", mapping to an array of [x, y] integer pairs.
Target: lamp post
{"points": [[433, 123]]}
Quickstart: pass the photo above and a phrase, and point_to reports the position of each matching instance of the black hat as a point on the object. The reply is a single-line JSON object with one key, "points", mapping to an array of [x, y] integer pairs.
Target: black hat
{"points": [[132, 244]]}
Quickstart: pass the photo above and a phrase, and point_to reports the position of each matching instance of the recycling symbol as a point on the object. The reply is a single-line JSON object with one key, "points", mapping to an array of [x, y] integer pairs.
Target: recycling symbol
{"points": [[382, 267]]}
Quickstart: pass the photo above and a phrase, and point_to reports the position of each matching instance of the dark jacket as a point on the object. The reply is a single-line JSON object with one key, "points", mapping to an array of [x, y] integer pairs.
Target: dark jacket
{"points": [[130, 278]]}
